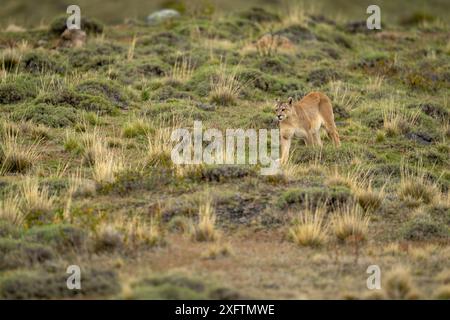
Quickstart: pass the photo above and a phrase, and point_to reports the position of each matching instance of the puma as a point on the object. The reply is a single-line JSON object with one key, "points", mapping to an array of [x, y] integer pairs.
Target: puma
{"points": [[304, 119]]}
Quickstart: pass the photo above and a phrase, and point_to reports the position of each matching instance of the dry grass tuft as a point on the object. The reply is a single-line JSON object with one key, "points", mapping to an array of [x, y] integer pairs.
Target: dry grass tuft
{"points": [[443, 292], [159, 147], [399, 285], [360, 182], [182, 70], [10, 60], [397, 120], [218, 251], [295, 13], [93, 146], [309, 228], [415, 186], [37, 201], [188, 170], [130, 233], [343, 96], [205, 230], [350, 223], [75, 182], [136, 127], [10, 210], [139, 232], [130, 54], [225, 87], [106, 166], [335, 178], [370, 200], [375, 83], [15, 156], [293, 171]]}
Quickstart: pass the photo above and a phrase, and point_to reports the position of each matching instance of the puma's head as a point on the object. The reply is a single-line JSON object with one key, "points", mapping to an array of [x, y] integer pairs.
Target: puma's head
{"points": [[284, 109]]}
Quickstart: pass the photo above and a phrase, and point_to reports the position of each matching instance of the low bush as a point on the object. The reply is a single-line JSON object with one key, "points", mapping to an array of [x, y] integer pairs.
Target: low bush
{"points": [[45, 285], [423, 228], [49, 115]]}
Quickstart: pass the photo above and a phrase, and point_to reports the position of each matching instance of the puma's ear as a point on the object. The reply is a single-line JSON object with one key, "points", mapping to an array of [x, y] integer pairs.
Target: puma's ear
{"points": [[290, 99], [278, 100]]}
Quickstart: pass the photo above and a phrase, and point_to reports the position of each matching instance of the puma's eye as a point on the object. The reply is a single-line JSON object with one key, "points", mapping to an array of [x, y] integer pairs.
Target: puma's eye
{"points": [[283, 109]]}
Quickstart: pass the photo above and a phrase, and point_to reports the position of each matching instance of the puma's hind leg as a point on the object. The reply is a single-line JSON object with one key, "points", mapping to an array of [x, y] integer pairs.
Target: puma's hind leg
{"points": [[326, 111], [333, 134]]}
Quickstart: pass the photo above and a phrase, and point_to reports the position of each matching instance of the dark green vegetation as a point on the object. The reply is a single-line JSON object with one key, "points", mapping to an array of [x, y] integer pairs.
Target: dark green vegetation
{"points": [[91, 126]]}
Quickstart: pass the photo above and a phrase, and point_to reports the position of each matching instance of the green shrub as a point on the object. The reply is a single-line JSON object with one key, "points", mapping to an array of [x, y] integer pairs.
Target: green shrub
{"points": [[17, 90], [150, 68], [378, 63], [94, 56], [276, 64], [225, 173], [86, 102], [320, 77], [19, 253], [109, 240], [176, 287], [440, 212], [45, 285], [51, 116], [332, 197], [329, 154], [423, 228], [40, 62], [62, 237], [417, 18], [106, 89], [8, 230]]}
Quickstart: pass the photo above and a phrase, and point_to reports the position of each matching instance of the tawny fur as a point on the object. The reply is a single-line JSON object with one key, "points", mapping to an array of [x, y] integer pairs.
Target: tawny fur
{"points": [[304, 119], [72, 39]]}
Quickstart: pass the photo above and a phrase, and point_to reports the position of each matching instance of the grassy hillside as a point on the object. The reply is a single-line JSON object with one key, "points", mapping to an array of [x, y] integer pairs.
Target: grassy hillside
{"points": [[86, 176]]}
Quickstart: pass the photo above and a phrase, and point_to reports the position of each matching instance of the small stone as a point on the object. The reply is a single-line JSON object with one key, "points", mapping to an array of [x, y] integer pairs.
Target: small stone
{"points": [[206, 106], [162, 15]]}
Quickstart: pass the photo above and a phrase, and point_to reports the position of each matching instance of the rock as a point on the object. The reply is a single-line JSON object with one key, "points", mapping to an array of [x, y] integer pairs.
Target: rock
{"points": [[162, 15], [434, 110], [206, 106], [419, 137], [72, 38]]}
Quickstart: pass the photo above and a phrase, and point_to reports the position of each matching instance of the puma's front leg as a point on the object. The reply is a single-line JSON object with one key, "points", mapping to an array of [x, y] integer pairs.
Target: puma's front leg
{"points": [[285, 146], [316, 138], [309, 139]]}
